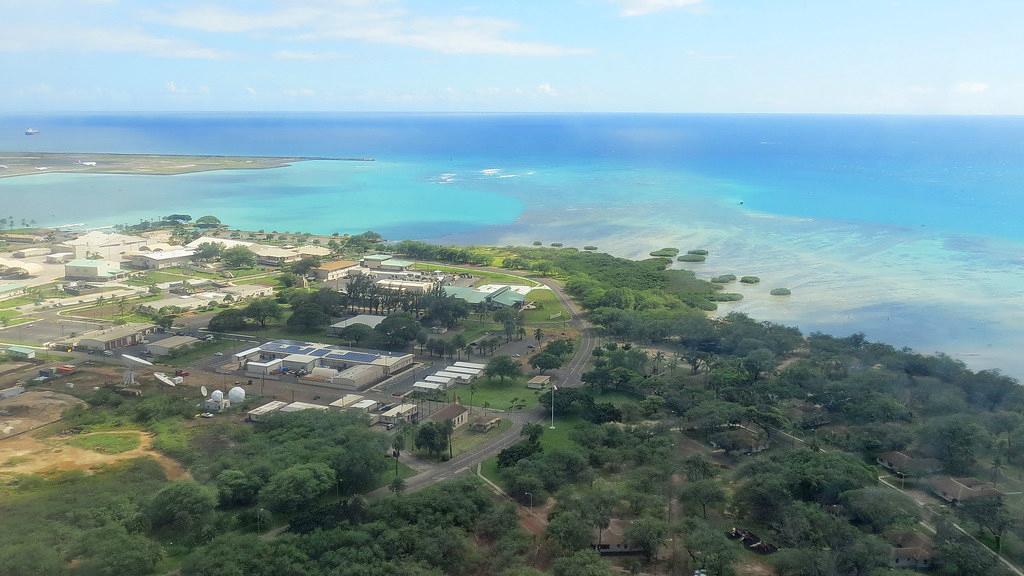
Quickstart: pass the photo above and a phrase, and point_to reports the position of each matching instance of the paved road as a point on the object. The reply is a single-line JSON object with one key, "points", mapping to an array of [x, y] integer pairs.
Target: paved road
{"points": [[569, 377]]}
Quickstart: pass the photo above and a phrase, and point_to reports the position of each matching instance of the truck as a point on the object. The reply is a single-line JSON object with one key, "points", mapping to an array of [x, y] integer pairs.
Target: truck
{"points": [[65, 369]]}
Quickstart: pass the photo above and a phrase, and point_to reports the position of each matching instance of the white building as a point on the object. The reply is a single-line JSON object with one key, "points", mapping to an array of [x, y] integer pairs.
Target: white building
{"points": [[262, 411], [92, 270], [162, 259], [274, 256], [172, 344], [401, 413], [108, 245]]}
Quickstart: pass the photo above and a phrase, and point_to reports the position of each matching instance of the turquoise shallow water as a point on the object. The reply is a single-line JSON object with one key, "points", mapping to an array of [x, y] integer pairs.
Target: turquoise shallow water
{"points": [[907, 229], [399, 200]]}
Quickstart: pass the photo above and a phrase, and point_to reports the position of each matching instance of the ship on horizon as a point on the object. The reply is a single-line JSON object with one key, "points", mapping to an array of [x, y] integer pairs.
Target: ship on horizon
{"points": [[31, 131]]}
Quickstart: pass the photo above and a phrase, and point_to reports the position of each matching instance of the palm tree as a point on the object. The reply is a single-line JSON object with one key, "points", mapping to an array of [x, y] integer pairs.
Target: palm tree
{"points": [[538, 334]]}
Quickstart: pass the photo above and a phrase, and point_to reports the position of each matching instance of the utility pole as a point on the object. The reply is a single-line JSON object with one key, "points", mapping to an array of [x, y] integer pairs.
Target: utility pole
{"points": [[553, 388]]}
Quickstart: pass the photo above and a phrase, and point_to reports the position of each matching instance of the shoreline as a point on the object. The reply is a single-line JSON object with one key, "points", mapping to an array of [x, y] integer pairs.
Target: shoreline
{"points": [[19, 163]]}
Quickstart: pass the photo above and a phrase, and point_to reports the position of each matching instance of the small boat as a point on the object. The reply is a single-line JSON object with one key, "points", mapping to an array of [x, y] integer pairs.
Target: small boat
{"points": [[31, 131]]}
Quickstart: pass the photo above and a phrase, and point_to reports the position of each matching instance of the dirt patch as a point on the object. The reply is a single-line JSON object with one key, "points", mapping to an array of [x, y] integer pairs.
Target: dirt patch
{"points": [[751, 567], [27, 455], [32, 410], [535, 521]]}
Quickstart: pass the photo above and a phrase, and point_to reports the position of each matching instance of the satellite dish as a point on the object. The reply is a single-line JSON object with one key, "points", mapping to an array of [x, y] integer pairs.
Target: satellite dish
{"points": [[136, 360], [217, 395], [203, 390]]}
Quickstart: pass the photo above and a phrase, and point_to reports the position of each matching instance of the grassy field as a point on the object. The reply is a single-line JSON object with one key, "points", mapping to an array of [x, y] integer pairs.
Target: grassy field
{"points": [[485, 276], [494, 394], [558, 439], [465, 439], [259, 280], [107, 443], [549, 308], [200, 351]]}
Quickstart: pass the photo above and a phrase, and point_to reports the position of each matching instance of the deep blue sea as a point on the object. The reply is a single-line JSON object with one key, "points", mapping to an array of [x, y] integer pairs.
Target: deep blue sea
{"points": [[910, 229]]}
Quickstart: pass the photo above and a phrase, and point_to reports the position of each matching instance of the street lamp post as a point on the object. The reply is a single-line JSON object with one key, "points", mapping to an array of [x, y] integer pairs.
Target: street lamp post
{"points": [[553, 388]]}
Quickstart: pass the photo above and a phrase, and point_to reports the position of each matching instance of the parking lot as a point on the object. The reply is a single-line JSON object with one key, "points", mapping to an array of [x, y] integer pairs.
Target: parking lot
{"points": [[49, 329]]}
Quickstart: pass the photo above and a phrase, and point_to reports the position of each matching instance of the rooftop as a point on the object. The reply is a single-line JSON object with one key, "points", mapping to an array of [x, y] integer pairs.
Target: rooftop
{"points": [[20, 349], [176, 341], [226, 242], [331, 352], [268, 407], [115, 332], [313, 250], [97, 238], [271, 251], [397, 262], [400, 410], [370, 320], [377, 257], [336, 265], [167, 254], [450, 412]]}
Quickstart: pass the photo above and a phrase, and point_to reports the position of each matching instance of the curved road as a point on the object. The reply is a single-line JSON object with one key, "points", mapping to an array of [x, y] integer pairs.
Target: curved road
{"points": [[568, 377]]}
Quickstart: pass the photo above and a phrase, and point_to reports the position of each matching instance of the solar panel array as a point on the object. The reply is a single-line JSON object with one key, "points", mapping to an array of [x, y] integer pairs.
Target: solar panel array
{"points": [[325, 351]]}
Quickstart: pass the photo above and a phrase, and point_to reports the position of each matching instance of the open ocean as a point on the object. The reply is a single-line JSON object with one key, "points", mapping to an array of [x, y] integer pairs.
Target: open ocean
{"points": [[909, 229]]}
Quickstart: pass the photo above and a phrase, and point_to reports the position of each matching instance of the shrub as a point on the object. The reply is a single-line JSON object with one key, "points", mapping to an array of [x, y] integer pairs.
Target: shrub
{"points": [[724, 279], [590, 248], [557, 244], [725, 297], [537, 243], [691, 258], [781, 292], [750, 280]]}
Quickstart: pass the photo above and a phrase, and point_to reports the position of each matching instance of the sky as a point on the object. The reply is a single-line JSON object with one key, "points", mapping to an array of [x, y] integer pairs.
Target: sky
{"points": [[688, 56]]}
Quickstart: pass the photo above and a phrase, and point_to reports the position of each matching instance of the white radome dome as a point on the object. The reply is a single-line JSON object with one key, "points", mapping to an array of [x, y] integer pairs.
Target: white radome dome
{"points": [[217, 395], [236, 395]]}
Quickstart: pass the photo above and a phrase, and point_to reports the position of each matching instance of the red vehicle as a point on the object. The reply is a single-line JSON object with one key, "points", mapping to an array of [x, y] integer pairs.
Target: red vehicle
{"points": [[65, 369], [181, 373]]}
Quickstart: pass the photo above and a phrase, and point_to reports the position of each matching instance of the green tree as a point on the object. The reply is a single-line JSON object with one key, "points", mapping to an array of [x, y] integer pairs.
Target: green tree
{"points": [[112, 551], [292, 487], [397, 330], [545, 361], [183, 505], [209, 251], [701, 494], [228, 320], [207, 222], [568, 532], [647, 534], [502, 367], [880, 508], [31, 559], [307, 316], [238, 257], [261, 310], [236, 488], [710, 550], [582, 563]]}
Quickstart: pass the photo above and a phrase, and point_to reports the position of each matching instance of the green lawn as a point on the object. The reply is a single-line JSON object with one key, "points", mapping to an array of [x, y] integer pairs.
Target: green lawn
{"points": [[465, 438], [549, 309], [15, 302], [494, 394], [107, 443], [559, 438], [486, 276], [259, 280], [200, 351]]}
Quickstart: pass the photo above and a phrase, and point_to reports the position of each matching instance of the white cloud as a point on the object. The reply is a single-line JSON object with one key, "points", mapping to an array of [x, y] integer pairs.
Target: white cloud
{"points": [[547, 89], [16, 38], [643, 7], [971, 87], [306, 55], [371, 22], [299, 92], [172, 87], [250, 91]]}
